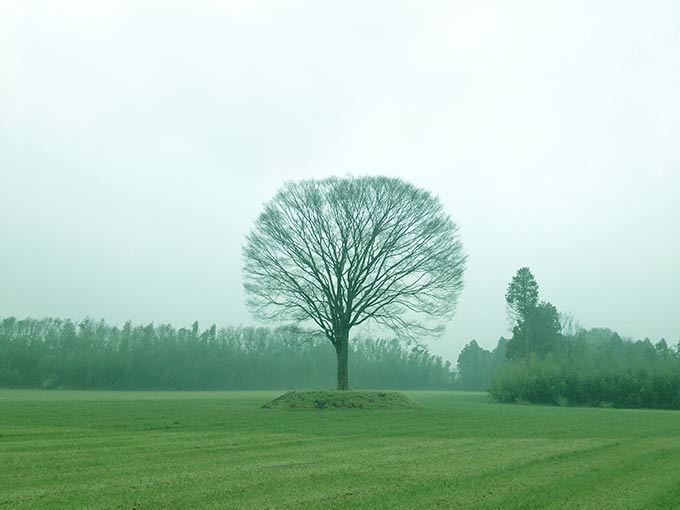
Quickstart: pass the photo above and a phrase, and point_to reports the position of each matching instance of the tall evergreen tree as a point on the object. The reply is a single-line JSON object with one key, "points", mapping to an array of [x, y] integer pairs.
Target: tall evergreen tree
{"points": [[522, 295]]}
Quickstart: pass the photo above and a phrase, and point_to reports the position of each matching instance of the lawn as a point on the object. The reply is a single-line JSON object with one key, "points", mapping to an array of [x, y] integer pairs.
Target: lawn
{"points": [[90, 449]]}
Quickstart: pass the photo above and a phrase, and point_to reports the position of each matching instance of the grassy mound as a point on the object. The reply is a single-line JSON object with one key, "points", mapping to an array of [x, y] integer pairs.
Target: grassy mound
{"points": [[329, 399]]}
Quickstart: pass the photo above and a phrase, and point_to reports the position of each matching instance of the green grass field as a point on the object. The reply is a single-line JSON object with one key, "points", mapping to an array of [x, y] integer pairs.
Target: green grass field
{"points": [[62, 449]]}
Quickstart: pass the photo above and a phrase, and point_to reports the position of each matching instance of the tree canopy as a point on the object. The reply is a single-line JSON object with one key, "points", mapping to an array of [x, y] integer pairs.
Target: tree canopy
{"points": [[522, 295], [340, 252], [537, 325]]}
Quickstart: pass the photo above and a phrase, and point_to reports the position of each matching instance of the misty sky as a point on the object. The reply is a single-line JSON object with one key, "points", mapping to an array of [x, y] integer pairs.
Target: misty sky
{"points": [[138, 141]]}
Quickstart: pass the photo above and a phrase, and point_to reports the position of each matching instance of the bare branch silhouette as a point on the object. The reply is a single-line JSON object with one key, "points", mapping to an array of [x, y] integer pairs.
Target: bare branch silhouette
{"points": [[340, 252]]}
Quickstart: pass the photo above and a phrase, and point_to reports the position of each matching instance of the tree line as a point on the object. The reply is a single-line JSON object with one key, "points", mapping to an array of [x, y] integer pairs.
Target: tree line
{"points": [[56, 353], [550, 359]]}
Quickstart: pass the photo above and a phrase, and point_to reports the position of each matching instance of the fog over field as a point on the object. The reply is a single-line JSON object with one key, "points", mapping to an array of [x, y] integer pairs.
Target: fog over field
{"points": [[139, 140]]}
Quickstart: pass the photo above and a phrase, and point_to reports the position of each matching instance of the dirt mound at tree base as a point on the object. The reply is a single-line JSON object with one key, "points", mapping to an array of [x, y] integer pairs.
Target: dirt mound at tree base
{"points": [[329, 399]]}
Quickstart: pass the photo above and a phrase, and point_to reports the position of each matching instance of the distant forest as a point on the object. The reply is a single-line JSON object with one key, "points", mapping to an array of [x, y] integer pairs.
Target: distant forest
{"points": [[594, 367], [577, 367], [550, 359], [55, 353]]}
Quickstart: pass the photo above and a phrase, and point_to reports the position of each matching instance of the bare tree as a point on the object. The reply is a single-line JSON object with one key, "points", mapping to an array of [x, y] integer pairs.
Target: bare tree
{"points": [[572, 337], [339, 252]]}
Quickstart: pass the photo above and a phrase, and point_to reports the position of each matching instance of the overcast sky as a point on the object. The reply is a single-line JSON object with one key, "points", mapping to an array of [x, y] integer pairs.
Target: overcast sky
{"points": [[139, 140]]}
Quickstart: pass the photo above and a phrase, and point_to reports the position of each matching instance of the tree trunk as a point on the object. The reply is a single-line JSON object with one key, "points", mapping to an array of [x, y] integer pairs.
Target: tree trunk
{"points": [[341, 348]]}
